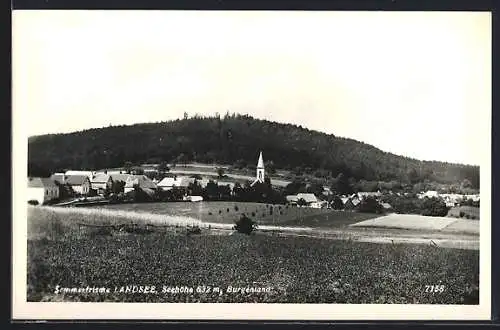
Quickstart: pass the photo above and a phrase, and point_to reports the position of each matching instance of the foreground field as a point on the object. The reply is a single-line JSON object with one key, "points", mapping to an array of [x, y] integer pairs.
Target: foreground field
{"points": [[291, 269], [265, 214]]}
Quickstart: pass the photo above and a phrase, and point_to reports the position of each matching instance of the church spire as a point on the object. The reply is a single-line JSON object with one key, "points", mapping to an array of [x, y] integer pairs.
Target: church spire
{"points": [[260, 163]]}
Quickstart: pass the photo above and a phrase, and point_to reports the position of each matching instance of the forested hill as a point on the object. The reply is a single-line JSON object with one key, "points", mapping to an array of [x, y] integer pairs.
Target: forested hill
{"points": [[235, 139]]}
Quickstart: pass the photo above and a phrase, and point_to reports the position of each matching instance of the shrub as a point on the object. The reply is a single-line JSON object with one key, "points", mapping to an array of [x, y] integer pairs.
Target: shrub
{"points": [[245, 225], [220, 211], [33, 202], [370, 205], [236, 208], [209, 213], [462, 214], [253, 214], [196, 230], [227, 209]]}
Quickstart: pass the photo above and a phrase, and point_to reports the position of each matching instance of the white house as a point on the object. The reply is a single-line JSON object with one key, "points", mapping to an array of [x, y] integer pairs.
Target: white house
{"points": [[79, 183], [169, 183], [42, 190], [101, 182], [142, 181]]}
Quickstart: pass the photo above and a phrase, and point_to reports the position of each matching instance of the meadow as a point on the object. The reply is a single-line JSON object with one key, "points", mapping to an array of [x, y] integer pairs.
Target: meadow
{"points": [[263, 214], [295, 269]]}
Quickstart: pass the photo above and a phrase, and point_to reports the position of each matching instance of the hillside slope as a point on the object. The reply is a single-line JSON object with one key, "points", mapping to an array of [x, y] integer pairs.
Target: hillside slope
{"points": [[235, 139]]}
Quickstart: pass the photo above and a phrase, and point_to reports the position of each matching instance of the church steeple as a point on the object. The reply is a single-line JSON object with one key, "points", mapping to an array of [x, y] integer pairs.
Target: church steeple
{"points": [[260, 169]]}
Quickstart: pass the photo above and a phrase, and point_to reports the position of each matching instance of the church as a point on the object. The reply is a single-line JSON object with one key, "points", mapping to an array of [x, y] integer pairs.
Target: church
{"points": [[260, 177]]}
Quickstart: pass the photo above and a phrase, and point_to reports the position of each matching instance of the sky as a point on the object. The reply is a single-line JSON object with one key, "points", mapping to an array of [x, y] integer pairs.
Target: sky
{"points": [[416, 84]]}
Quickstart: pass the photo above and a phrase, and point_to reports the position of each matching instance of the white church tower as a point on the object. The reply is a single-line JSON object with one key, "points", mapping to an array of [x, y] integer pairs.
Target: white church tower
{"points": [[260, 170]]}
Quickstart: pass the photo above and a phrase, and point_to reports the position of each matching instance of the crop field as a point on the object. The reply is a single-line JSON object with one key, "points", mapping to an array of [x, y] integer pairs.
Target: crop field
{"points": [[228, 212], [464, 211], [287, 269]]}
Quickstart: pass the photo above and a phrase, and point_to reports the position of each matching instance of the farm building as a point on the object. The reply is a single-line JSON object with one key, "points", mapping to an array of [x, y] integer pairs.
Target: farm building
{"points": [[169, 183], [308, 198], [79, 183], [101, 182], [142, 181], [42, 190]]}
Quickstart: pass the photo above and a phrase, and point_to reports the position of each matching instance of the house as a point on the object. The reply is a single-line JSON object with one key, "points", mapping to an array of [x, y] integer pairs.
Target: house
{"points": [[308, 198], [193, 198], [79, 183], [364, 194], [142, 181], [348, 204], [292, 199], [169, 183], [428, 194], [42, 190], [319, 204], [101, 182], [387, 206]]}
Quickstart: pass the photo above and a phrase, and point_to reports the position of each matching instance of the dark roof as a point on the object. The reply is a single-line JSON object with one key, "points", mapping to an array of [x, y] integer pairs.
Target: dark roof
{"points": [[58, 177], [41, 183], [76, 180]]}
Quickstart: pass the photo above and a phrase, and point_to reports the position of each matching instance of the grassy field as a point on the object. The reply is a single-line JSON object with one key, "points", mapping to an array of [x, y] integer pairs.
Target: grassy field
{"points": [[293, 269], [469, 212], [227, 212]]}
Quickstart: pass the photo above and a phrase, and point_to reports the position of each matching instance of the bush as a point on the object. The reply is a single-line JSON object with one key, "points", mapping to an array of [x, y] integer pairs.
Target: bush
{"points": [[370, 205], [236, 208], [245, 225], [193, 230], [462, 214], [227, 209], [33, 202]]}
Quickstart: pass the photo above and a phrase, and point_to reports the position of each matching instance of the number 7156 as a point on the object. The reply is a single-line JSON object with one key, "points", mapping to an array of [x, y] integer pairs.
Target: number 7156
{"points": [[434, 288]]}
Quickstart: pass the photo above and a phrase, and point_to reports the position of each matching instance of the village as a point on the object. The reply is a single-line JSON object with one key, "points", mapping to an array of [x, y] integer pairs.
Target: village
{"points": [[148, 183]]}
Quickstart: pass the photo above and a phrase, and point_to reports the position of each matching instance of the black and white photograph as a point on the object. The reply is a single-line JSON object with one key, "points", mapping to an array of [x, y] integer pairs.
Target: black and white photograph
{"points": [[247, 161]]}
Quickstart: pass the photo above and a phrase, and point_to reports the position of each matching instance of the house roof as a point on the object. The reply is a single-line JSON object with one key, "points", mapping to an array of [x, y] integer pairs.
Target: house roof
{"points": [[224, 183], [369, 193], [182, 181], [386, 206], [58, 177], [100, 178], [143, 181], [292, 198], [41, 183], [309, 198], [120, 177], [77, 172], [76, 180]]}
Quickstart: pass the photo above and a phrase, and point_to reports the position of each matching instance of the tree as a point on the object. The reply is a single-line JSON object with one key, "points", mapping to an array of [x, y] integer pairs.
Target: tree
{"points": [[127, 167], [370, 205], [342, 185], [301, 202], [163, 167], [245, 225], [220, 172], [434, 207], [336, 203]]}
